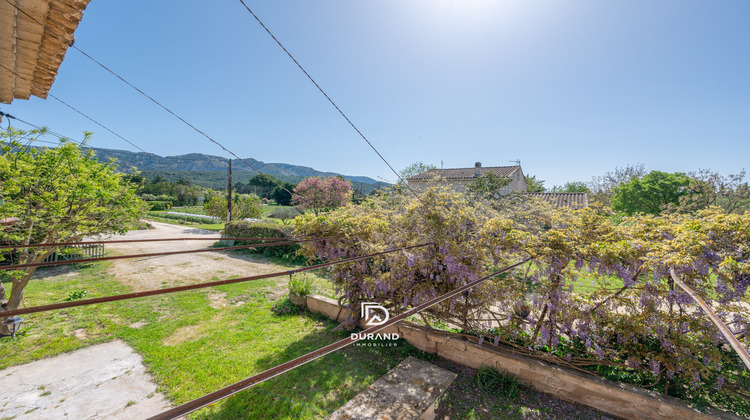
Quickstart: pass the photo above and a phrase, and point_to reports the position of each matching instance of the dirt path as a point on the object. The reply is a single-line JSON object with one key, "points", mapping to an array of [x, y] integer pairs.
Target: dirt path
{"points": [[109, 380], [175, 270]]}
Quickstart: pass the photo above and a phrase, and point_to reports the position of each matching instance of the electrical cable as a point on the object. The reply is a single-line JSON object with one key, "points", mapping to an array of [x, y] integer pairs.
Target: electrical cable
{"points": [[280, 185], [140, 91], [331, 101], [46, 130], [77, 110]]}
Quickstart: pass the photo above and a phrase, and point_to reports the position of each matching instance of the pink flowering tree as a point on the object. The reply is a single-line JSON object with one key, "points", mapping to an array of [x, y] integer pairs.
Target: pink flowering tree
{"points": [[322, 194]]}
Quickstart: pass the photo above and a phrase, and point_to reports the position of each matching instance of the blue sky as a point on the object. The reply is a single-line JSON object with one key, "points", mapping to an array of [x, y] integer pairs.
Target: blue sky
{"points": [[571, 88]]}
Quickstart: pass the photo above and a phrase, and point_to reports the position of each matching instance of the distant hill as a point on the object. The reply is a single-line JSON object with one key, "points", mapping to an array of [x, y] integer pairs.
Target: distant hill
{"points": [[211, 171]]}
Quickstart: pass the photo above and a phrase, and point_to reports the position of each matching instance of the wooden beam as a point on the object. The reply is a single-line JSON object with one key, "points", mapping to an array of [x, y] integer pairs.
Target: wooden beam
{"points": [[7, 50], [34, 53], [29, 34]]}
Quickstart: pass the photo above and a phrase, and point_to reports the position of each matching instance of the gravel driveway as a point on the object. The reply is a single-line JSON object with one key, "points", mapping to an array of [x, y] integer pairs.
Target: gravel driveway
{"points": [[109, 380], [175, 270]]}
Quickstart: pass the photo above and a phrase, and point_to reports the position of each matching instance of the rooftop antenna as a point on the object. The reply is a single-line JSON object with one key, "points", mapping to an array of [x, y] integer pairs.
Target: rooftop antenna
{"points": [[517, 161]]}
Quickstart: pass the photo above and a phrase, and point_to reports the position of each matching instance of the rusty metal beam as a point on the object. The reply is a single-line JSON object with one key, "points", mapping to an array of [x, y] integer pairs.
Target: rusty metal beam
{"points": [[211, 398], [63, 305]]}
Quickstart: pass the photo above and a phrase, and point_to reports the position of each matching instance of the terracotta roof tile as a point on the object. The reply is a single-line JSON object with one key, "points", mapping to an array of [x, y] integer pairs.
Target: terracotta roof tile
{"points": [[464, 173], [29, 50], [573, 200]]}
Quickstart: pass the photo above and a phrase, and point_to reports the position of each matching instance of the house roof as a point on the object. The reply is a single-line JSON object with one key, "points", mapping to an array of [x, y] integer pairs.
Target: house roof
{"points": [[573, 200], [32, 53], [465, 173]]}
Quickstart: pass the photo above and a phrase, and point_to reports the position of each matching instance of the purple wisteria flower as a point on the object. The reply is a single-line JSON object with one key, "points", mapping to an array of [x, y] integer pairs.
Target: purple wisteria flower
{"points": [[544, 334], [655, 366]]}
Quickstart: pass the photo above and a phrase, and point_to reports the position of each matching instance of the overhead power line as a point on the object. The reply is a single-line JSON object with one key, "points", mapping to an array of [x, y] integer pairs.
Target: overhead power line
{"points": [[330, 100], [46, 130], [112, 72], [215, 396], [63, 305], [76, 109]]}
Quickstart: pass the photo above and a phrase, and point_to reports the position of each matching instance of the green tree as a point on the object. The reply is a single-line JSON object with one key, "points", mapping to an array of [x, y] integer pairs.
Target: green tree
{"points": [[708, 188], [61, 194], [283, 196], [243, 206], [264, 180], [650, 194], [603, 187], [261, 184], [488, 186], [534, 185], [572, 187], [415, 168]]}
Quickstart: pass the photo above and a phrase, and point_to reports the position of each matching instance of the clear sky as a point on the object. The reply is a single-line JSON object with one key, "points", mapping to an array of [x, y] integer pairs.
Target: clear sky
{"points": [[571, 88]]}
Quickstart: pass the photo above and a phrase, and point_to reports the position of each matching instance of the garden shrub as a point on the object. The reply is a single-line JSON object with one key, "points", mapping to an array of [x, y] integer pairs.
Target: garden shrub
{"points": [[285, 214], [596, 295], [159, 205], [284, 306], [245, 229], [301, 284]]}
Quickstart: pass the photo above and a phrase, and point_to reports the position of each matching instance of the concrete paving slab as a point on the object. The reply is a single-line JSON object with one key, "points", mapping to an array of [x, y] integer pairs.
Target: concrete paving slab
{"points": [[102, 381], [408, 391]]}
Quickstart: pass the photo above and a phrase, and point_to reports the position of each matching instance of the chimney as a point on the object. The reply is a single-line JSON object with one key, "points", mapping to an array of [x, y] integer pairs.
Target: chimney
{"points": [[477, 167]]}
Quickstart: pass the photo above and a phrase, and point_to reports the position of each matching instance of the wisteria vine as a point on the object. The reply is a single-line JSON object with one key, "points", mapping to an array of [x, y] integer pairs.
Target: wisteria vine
{"points": [[597, 292]]}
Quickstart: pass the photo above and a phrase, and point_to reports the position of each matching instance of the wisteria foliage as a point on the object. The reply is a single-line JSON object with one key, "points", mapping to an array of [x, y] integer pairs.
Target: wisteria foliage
{"points": [[593, 284]]}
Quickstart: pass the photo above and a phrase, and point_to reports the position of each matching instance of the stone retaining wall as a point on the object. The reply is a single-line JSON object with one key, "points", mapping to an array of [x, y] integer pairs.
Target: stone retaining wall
{"points": [[618, 399]]}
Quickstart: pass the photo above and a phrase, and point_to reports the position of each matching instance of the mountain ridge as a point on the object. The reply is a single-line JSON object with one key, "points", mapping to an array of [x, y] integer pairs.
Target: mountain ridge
{"points": [[152, 164]]}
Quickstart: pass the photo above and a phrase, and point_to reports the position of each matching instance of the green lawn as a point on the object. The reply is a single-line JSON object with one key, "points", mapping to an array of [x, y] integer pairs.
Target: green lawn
{"points": [[267, 209], [584, 283], [208, 226], [188, 209], [191, 348], [214, 226], [157, 216]]}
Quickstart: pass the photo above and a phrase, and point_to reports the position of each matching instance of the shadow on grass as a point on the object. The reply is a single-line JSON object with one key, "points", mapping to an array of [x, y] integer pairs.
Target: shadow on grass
{"points": [[60, 270], [250, 256], [316, 389]]}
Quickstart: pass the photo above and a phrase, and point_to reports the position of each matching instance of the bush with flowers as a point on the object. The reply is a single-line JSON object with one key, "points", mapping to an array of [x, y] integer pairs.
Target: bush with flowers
{"points": [[596, 294]]}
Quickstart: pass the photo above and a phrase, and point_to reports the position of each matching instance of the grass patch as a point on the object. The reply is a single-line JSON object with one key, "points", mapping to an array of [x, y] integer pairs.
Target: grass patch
{"points": [[191, 348], [213, 226], [494, 382], [189, 209]]}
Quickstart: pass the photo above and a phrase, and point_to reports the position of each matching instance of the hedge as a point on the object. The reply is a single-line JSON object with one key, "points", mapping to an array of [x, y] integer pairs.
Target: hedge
{"points": [[159, 205], [245, 229]]}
